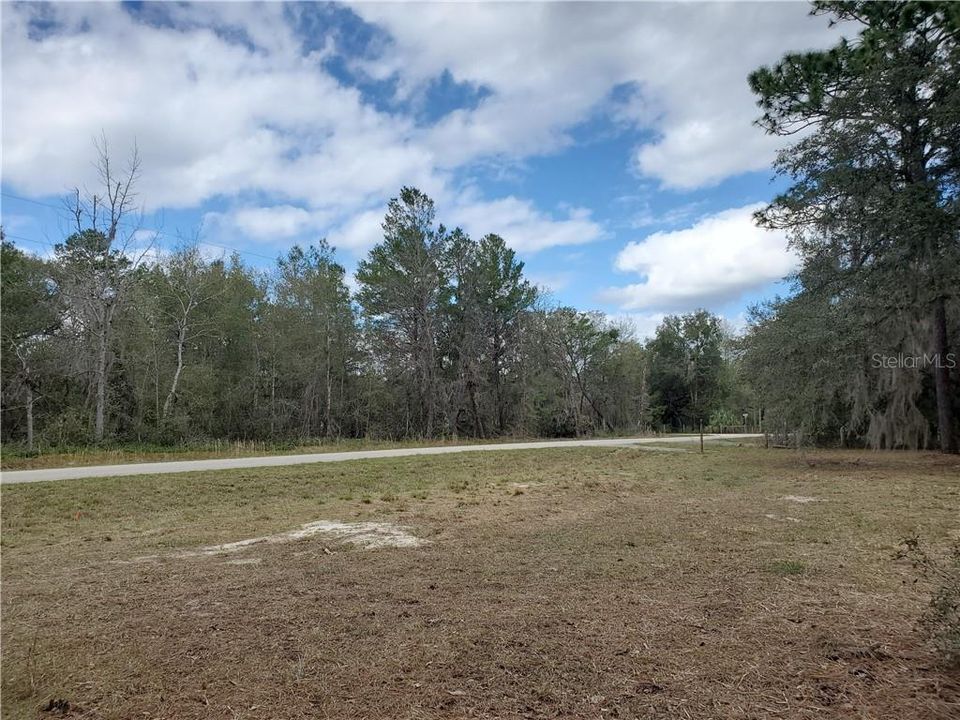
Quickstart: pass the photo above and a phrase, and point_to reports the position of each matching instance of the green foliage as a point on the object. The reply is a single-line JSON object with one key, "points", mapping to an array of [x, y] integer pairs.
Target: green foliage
{"points": [[444, 337], [32, 315], [403, 289], [787, 568], [688, 370], [872, 212], [27, 296], [722, 418]]}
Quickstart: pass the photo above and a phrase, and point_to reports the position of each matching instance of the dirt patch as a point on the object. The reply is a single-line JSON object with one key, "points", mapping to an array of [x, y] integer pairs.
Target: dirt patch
{"points": [[801, 499], [524, 485], [778, 518], [367, 535]]}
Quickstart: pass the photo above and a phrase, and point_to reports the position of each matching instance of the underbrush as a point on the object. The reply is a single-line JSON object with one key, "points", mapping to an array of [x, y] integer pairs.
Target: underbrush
{"points": [[941, 621]]}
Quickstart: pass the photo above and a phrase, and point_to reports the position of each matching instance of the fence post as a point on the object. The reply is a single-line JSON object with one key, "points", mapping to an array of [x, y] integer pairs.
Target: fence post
{"points": [[701, 437]]}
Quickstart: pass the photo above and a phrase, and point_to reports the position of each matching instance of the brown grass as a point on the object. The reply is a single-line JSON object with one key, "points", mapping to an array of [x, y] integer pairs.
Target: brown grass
{"points": [[615, 583]]}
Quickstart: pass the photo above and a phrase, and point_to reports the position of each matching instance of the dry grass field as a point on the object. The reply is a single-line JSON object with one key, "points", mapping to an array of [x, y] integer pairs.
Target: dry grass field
{"points": [[579, 583]]}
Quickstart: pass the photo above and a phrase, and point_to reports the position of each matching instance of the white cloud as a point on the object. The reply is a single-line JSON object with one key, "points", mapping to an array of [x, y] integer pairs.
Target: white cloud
{"points": [[550, 282], [522, 226], [361, 232], [714, 261], [225, 103], [549, 66], [212, 116], [643, 325], [273, 223]]}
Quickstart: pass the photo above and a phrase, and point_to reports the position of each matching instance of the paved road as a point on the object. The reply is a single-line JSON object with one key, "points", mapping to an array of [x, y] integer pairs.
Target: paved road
{"points": [[178, 466]]}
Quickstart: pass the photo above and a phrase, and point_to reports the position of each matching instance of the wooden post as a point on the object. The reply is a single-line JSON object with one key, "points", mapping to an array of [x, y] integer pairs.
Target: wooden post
{"points": [[701, 437]]}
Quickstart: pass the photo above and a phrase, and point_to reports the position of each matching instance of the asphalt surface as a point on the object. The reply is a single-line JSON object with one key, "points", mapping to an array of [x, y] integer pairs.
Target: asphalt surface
{"points": [[179, 466]]}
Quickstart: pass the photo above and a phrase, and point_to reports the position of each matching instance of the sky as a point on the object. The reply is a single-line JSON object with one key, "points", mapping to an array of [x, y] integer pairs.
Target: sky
{"points": [[610, 144]]}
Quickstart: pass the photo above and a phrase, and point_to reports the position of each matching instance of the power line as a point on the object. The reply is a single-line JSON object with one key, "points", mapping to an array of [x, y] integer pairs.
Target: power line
{"points": [[25, 239], [156, 233], [33, 202]]}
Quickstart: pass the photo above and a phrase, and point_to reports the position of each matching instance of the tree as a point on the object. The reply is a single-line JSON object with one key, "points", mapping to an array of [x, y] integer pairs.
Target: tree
{"points": [[93, 268], [490, 295], [687, 373], [581, 345], [187, 288], [315, 332], [233, 395], [802, 355], [873, 209], [31, 316], [448, 337], [403, 288]]}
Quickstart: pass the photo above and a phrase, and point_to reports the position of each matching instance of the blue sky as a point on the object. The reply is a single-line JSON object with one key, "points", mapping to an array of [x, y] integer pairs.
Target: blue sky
{"points": [[609, 143]]}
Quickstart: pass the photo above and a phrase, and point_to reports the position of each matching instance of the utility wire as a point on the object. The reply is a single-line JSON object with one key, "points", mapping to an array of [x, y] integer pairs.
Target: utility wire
{"points": [[155, 233], [25, 239]]}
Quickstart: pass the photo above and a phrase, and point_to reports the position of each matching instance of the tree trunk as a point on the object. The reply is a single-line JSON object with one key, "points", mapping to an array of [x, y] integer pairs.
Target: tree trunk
{"points": [[181, 340], [474, 406], [101, 387], [497, 393], [29, 401], [941, 376], [328, 410]]}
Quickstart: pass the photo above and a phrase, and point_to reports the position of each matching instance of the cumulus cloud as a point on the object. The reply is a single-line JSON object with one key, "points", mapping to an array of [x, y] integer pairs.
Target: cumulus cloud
{"points": [[714, 261], [272, 223], [221, 102], [360, 232], [525, 228], [642, 326], [549, 66], [224, 99], [228, 101]]}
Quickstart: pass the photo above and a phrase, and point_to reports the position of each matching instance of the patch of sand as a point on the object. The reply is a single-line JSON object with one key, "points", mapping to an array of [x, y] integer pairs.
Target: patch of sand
{"points": [[803, 499], [786, 518], [367, 535]]}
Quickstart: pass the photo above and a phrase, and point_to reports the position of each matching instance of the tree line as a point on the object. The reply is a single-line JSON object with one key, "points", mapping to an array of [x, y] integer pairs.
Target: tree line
{"points": [[444, 336]]}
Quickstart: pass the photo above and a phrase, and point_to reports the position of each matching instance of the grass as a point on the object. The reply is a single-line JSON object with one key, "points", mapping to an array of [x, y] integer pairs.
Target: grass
{"points": [[18, 458], [789, 567], [617, 583]]}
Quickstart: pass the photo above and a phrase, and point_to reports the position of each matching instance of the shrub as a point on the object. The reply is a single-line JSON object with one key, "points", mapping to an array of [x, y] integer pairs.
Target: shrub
{"points": [[941, 621]]}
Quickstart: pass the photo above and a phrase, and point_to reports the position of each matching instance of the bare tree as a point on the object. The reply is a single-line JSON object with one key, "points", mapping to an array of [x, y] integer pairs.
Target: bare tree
{"points": [[95, 263]]}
